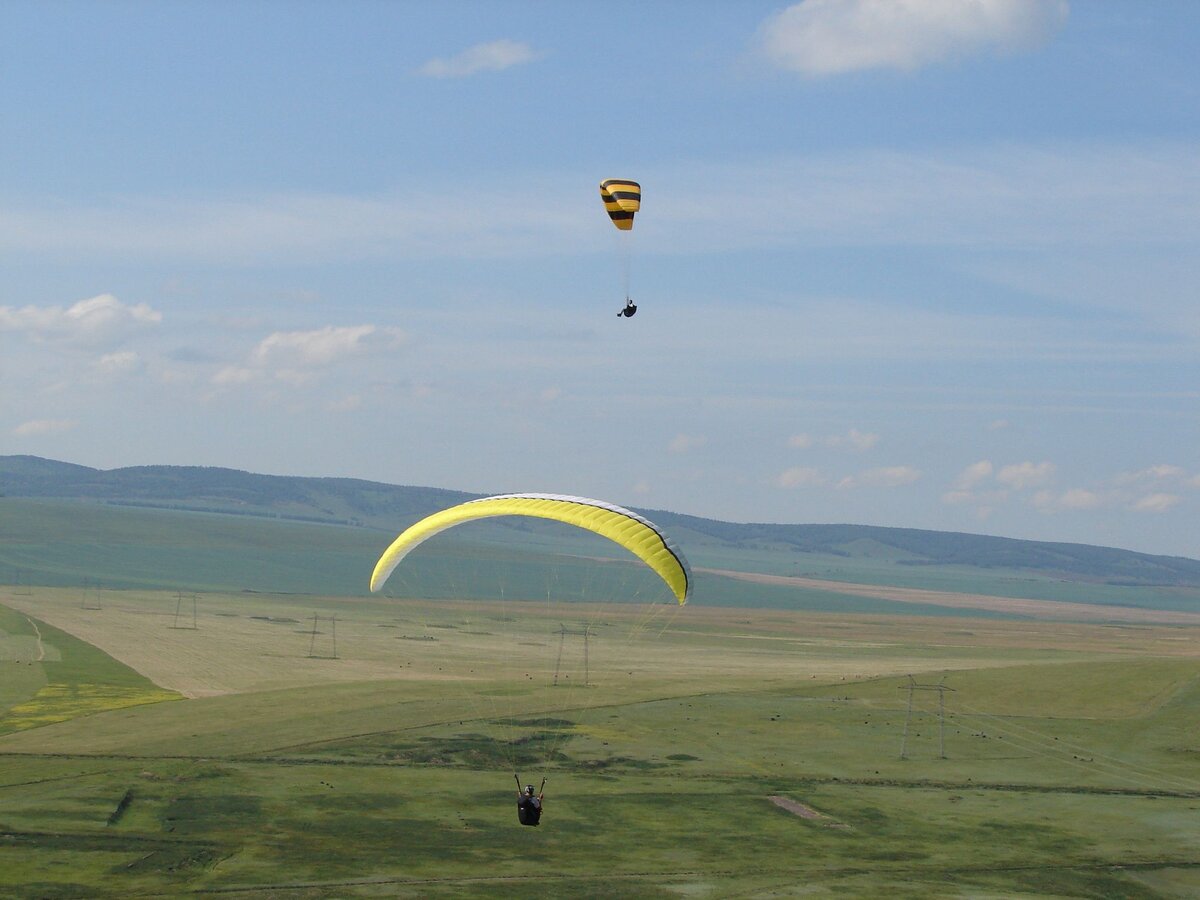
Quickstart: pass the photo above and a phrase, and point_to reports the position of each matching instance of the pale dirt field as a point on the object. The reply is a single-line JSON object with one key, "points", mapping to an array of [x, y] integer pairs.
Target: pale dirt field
{"points": [[1052, 610], [254, 642]]}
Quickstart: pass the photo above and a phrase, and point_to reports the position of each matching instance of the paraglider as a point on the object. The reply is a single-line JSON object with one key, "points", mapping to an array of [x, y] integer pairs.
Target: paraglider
{"points": [[630, 531], [622, 199], [529, 804], [639, 536]]}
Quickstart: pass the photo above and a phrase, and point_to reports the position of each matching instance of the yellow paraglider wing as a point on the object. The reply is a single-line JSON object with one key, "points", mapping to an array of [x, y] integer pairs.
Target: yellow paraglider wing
{"points": [[639, 536], [622, 199]]}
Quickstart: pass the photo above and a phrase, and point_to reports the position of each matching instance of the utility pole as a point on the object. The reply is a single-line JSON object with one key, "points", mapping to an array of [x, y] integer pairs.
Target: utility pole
{"points": [[941, 688]]}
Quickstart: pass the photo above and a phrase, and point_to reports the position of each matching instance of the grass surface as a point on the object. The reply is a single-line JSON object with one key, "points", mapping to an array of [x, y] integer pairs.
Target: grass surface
{"points": [[51, 676], [1071, 769]]}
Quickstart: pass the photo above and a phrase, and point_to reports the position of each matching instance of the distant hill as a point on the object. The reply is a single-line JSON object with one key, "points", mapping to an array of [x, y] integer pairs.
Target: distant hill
{"points": [[335, 501], [355, 502], [918, 547]]}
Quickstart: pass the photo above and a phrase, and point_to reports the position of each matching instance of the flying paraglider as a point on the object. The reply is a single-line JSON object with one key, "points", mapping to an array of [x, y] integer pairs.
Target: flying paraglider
{"points": [[529, 804], [639, 536], [622, 199]]}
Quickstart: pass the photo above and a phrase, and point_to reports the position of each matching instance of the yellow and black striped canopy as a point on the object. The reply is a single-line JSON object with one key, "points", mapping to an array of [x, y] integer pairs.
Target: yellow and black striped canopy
{"points": [[622, 198]]}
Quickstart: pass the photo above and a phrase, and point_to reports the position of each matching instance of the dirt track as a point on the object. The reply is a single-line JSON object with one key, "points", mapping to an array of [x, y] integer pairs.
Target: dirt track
{"points": [[1055, 610]]}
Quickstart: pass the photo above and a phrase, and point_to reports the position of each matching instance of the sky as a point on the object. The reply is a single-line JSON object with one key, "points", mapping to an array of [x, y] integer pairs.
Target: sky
{"points": [[918, 263]]}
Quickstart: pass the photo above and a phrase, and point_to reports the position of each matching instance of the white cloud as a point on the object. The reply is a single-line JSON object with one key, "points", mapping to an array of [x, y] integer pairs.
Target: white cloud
{"points": [[121, 361], [550, 394], [348, 403], [828, 37], [1075, 498], [1026, 474], [1079, 498], [38, 427], [998, 425], [684, 443], [852, 439], [887, 476], [800, 476], [973, 475], [95, 319], [323, 346], [230, 375], [1160, 472], [493, 56], [1156, 503]]}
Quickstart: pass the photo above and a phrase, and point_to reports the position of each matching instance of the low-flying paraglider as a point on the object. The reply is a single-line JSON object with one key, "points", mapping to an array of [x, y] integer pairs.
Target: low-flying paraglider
{"points": [[635, 534], [622, 199], [639, 536], [529, 804]]}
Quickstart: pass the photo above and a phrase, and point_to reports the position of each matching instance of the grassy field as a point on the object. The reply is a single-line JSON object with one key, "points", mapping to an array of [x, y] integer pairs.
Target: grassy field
{"points": [[1071, 762]]}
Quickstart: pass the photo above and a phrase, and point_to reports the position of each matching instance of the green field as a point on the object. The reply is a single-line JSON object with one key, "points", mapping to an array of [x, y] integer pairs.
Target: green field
{"points": [[1071, 766], [212, 704]]}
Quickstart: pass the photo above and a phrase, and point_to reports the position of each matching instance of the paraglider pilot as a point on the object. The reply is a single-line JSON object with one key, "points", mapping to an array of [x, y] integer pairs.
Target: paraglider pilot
{"points": [[529, 805], [629, 310]]}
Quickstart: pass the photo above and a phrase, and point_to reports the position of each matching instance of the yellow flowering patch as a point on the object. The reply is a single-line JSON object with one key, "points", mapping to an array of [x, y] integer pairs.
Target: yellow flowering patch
{"points": [[601, 732], [60, 702]]}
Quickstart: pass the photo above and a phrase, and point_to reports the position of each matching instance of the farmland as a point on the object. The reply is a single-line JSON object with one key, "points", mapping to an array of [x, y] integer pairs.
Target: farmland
{"points": [[1070, 753], [194, 703]]}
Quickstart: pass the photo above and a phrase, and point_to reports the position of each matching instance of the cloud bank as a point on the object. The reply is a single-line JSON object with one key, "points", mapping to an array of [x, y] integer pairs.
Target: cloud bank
{"points": [[832, 37], [40, 427], [96, 319], [295, 356]]}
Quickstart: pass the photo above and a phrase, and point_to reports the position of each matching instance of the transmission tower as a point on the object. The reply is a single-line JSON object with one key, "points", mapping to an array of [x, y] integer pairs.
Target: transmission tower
{"points": [[562, 632], [180, 606], [941, 689], [90, 598], [312, 644], [19, 590]]}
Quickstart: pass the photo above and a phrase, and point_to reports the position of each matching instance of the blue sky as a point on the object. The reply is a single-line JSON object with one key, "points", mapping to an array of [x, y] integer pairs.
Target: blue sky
{"points": [[928, 264]]}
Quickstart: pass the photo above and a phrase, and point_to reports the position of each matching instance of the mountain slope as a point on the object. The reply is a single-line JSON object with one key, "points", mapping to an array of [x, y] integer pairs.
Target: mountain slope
{"points": [[349, 501]]}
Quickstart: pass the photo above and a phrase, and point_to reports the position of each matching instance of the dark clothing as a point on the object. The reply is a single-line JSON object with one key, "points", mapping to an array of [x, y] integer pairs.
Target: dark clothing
{"points": [[529, 809], [629, 309]]}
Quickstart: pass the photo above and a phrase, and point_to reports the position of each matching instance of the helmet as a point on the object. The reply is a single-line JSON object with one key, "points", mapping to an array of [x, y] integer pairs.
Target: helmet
{"points": [[529, 788]]}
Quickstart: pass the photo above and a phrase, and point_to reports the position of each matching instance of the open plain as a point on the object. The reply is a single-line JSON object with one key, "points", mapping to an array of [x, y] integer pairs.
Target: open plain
{"points": [[248, 756]]}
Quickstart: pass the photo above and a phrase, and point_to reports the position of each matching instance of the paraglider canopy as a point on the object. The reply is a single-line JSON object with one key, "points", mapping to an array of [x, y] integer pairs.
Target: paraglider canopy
{"points": [[639, 536], [622, 198]]}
